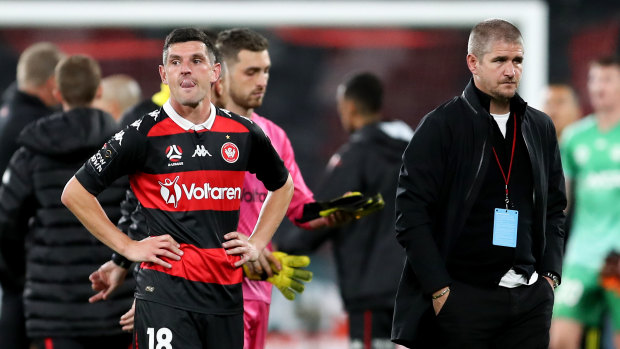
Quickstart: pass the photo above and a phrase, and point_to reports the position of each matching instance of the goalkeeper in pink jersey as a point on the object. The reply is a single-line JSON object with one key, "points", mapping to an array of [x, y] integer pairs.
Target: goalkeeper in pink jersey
{"points": [[245, 54]]}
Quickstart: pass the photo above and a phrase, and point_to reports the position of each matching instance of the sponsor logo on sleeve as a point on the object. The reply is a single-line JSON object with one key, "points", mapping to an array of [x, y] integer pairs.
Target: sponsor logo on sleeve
{"points": [[6, 177], [102, 158], [154, 114], [230, 152], [119, 137], [137, 123]]}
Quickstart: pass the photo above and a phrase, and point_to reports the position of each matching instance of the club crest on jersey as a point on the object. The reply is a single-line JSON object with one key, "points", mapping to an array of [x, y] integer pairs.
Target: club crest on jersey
{"points": [[170, 191], [230, 152], [174, 154]]}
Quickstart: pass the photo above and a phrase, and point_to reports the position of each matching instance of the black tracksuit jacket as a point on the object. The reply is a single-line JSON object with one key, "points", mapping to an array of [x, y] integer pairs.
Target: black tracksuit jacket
{"points": [[368, 258]]}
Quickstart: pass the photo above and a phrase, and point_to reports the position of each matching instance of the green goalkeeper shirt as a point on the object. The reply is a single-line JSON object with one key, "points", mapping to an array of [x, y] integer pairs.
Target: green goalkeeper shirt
{"points": [[591, 161]]}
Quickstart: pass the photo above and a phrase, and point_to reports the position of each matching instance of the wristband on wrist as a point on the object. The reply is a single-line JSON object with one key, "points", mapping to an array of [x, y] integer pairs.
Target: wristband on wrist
{"points": [[554, 278], [443, 293], [121, 261]]}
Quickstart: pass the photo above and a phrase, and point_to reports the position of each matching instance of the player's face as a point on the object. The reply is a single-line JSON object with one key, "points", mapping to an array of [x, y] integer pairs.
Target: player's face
{"points": [[248, 78], [188, 72], [604, 87], [499, 70], [561, 106], [345, 108]]}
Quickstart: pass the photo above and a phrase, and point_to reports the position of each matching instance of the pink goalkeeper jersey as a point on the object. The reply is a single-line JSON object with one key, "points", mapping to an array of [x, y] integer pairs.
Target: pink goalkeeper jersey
{"points": [[254, 194]]}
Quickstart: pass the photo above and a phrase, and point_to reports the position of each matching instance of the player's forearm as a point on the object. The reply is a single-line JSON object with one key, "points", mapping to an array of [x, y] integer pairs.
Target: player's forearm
{"points": [[271, 215], [90, 213]]}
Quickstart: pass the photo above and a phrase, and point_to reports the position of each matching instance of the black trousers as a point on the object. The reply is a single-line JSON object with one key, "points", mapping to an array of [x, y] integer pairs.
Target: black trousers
{"points": [[12, 322], [501, 317]]}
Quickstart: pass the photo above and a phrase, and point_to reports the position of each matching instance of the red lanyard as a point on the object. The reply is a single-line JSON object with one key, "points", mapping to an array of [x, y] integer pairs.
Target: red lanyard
{"points": [[514, 141]]}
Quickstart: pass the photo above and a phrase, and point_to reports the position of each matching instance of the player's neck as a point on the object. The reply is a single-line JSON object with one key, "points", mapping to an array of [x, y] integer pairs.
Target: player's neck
{"points": [[247, 112], [608, 119], [197, 115]]}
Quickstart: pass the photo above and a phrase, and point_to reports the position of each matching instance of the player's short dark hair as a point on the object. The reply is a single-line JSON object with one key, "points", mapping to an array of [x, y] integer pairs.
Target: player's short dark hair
{"points": [[366, 91], [489, 31], [230, 42], [189, 34], [607, 61], [78, 78]]}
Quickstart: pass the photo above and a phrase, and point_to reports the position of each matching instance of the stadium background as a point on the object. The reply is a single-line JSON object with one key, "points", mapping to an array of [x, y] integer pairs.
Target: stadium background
{"points": [[419, 57]]}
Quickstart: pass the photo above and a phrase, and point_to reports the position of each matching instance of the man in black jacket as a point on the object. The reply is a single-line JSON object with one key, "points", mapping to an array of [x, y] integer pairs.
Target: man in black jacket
{"points": [[479, 211], [368, 258], [60, 251], [31, 99]]}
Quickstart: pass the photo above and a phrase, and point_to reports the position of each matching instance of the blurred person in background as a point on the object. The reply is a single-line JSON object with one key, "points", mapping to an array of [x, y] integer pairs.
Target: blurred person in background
{"points": [[562, 105], [368, 258], [480, 211], [591, 159], [31, 99], [34, 97], [146, 106], [60, 252], [120, 92]]}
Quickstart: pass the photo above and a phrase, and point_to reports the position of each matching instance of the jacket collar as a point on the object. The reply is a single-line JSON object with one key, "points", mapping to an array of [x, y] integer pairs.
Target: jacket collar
{"points": [[479, 101]]}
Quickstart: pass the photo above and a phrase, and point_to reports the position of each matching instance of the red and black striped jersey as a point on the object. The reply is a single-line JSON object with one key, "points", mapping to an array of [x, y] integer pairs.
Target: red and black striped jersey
{"points": [[188, 179]]}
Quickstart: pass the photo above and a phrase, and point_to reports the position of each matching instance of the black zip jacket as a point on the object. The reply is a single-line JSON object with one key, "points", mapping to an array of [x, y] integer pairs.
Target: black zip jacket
{"points": [[19, 110], [368, 258], [60, 252], [442, 173]]}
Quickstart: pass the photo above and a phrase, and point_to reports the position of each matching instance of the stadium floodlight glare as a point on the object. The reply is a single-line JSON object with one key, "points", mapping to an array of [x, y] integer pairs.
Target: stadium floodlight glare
{"points": [[530, 16]]}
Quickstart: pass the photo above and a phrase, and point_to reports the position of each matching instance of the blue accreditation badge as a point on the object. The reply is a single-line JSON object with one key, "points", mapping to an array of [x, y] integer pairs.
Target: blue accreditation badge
{"points": [[505, 227]]}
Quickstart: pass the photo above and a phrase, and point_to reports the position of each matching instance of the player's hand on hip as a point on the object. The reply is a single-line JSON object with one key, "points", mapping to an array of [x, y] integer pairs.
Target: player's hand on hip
{"points": [[239, 244], [153, 249], [106, 279]]}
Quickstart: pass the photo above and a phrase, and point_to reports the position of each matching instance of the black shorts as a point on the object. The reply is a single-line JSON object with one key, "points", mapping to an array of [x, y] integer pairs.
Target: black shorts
{"points": [[370, 329], [163, 327], [121, 341]]}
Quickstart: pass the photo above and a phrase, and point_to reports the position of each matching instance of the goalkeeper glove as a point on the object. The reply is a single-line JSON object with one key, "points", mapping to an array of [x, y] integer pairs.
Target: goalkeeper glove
{"points": [[288, 280], [354, 203]]}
